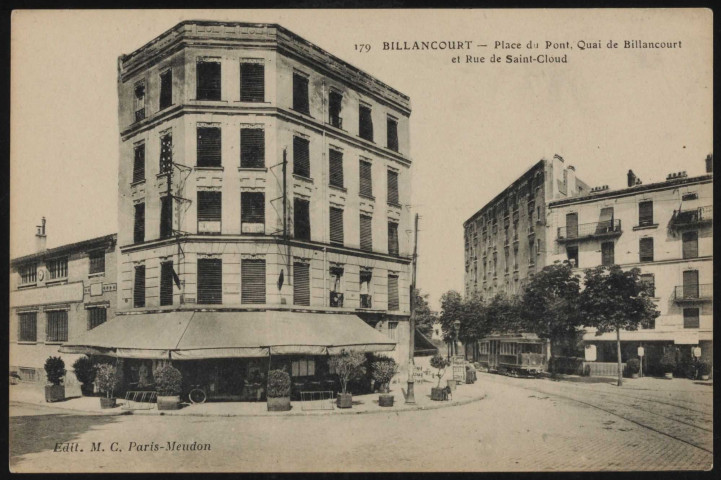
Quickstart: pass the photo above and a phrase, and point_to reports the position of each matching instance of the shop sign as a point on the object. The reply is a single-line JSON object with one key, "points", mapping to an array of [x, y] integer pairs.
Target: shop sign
{"points": [[590, 353]]}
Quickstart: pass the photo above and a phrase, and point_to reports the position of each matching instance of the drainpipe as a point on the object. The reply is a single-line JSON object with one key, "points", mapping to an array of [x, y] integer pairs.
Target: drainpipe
{"points": [[325, 207]]}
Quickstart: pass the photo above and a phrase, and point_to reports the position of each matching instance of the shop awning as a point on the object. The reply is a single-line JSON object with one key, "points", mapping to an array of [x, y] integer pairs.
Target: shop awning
{"points": [[198, 335], [423, 345]]}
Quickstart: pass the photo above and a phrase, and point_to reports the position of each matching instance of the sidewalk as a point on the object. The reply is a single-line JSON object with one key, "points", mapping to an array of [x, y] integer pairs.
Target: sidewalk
{"points": [[658, 384]]}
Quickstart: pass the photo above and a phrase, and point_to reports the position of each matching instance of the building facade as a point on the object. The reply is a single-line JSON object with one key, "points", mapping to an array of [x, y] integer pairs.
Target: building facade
{"points": [[55, 295]]}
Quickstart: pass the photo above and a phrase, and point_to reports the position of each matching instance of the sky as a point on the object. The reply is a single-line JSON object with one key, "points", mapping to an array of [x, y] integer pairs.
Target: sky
{"points": [[475, 127]]}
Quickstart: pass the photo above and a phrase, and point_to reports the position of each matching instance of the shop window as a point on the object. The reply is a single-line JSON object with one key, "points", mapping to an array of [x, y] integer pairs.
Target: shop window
{"points": [[366, 179], [335, 101], [300, 93], [252, 212], [28, 273], [645, 248], [336, 286], [572, 255], [302, 368], [210, 281], [139, 101], [336, 225], [139, 287], [57, 326], [209, 211], [690, 244], [166, 89], [335, 167], [392, 134], [301, 284], [97, 262], [393, 238], [166, 283], [365, 123], [690, 318], [208, 147], [252, 82], [301, 157], [645, 213], [366, 298], [139, 163], [28, 327], [252, 148], [393, 292], [393, 188], [58, 268], [607, 253], [252, 281], [366, 233], [208, 80], [96, 316], [301, 219], [139, 223], [166, 216]]}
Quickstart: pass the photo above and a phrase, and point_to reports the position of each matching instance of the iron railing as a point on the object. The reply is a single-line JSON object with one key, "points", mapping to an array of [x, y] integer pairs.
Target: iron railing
{"points": [[607, 228], [366, 301], [697, 216], [693, 292]]}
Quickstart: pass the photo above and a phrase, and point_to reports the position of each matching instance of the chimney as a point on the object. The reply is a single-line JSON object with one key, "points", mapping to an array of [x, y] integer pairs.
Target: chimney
{"points": [[631, 178], [571, 189], [41, 239], [709, 163]]}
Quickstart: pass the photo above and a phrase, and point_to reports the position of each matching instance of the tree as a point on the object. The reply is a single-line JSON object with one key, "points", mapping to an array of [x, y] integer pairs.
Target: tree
{"points": [[474, 320], [549, 306], [613, 299], [425, 317], [503, 314], [452, 310]]}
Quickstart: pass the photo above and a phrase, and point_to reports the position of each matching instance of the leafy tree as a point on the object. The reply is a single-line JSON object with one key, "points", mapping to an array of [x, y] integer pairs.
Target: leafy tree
{"points": [[503, 314], [614, 299], [425, 317], [474, 320], [452, 309]]}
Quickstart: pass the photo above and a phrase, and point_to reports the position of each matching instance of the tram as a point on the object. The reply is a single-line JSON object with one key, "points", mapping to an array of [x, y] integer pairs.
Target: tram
{"points": [[515, 355]]}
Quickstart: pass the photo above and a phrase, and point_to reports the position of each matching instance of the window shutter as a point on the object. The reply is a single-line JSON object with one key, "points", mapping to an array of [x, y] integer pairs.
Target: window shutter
{"points": [[301, 157], [301, 284], [139, 224], [57, 326], [605, 221], [166, 153], [392, 133], [690, 284], [645, 213], [571, 225], [139, 163], [166, 216], [208, 154], [607, 253], [300, 93], [392, 238], [252, 148], [208, 80], [336, 225], [139, 287], [335, 159], [690, 318], [252, 212], [645, 247], [366, 233], [28, 322], [393, 292], [690, 244], [301, 219], [166, 89], [210, 281], [252, 281], [209, 212], [365, 123], [335, 101], [96, 316], [166, 283], [393, 187], [252, 82], [97, 262], [366, 180]]}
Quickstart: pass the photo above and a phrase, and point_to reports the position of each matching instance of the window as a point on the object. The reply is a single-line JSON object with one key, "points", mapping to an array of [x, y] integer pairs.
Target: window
{"points": [[139, 223], [139, 287], [208, 80], [690, 244], [28, 273], [166, 216], [57, 326], [336, 226], [252, 212], [96, 316], [393, 188], [365, 123], [366, 179], [252, 282], [365, 289], [28, 327], [209, 211], [166, 89], [393, 292], [252, 82], [301, 157], [335, 167], [210, 281], [303, 368], [208, 147], [300, 93], [97, 262], [572, 255], [139, 163], [301, 219], [252, 148], [392, 134], [515, 259], [650, 281], [645, 248], [166, 283], [495, 263], [166, 153], [366, 233], [690, 318], [139, 101], [392, 327], [336, 286], [645, 213], [58, 268], [393, 238], [507, 257], [335, 101], [686, 197], [301, 284], [571, 225], [690, 284], [607, 253]]}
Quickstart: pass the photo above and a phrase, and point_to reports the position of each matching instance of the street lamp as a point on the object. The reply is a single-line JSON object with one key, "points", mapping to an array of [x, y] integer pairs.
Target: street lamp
{"points": [[457, 325]]}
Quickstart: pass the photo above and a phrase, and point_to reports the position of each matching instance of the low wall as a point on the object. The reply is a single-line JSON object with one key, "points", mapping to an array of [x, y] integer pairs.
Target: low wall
{"points": [[603, 369]]}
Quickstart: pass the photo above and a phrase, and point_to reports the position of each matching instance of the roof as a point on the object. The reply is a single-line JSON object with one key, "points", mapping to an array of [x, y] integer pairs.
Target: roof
{"points": [[68, 248]]}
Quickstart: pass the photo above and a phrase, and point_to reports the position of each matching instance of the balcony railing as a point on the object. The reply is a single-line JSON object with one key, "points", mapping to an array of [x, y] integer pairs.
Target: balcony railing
{"points": [[695, 217], [366, 300], [586, 231], [693, 292], [336, 299], [139, 114], [336, 122]]}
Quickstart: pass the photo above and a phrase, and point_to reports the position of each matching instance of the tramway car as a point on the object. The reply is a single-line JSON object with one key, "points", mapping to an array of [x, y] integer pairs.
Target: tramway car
{"points": [[515, 355]]}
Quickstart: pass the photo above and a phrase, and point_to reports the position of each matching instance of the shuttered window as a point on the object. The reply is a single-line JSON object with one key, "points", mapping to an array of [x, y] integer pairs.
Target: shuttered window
{"points": [[605, 221], [690, 284], [208, 147], [393, 188], [252, 148], [166, 216], [28, 273], [301, 219], [96, 316], [571, 225], [335, 101], [252, 82], [336, 226], [393, 292], [139, 287], [690, 244], [366, 233], [645, 213], [139, 163], [252, 212], [57, 326], [301, 157], [166, 89], [252, 282], [28, 327], [209, 212], [607, 253], [301, 284], [139, 223], [97, 262], [210, 281], [58, 268], [139, 102], [645, 249], [650, 281], [208, 80], [365, 123], [690, 318], [166, 283], [366, 179], [335, 167], [392, 134], [166, 153], [300, 93], [392, 238]]}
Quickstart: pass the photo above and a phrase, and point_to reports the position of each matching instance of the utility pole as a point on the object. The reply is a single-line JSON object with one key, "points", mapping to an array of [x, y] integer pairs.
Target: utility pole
{"points": [[410, 397], [286, 235]]}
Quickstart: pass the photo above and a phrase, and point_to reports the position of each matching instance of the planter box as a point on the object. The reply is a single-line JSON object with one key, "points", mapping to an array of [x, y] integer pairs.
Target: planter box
{"points": [[385, 400], [87, 390], [168, 402], [278, 404], [704, 377], [54, 393], [634, 375], [438, 394], [344, 400], [668, 375], [106, 402]]}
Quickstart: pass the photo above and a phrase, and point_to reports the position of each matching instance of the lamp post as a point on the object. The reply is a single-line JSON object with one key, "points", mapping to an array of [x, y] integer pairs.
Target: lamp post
{"points": [[457, 325]]}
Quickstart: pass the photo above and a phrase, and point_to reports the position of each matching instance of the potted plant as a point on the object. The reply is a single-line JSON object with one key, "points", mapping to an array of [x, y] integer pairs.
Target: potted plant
{"points": [[440, 363], [348, 366], [168, 382], [668, 364], [106, 380], [384, 369], [278, 395], [704, 369], [85, 373], [55, 371], [633, 366]]}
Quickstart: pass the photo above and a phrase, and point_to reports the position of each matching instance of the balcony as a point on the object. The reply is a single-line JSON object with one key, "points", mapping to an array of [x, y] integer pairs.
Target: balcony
{"points": [[589, 231], [693, 293], [336, 122], [336, 299], [366, 300], [692, 218], [139, 114]]}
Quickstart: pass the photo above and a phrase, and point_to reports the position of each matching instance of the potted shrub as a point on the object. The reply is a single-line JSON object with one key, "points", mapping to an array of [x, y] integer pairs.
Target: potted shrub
{"points": [[348, 366], [278, 396], [85, 373], [106, 380], [668, 364], [633, 366], [168, 382], [440, 363], [384, 369], [704, 369], [55, 371]]}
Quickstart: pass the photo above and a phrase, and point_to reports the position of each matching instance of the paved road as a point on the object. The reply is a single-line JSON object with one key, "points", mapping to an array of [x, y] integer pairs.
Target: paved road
{"points": [[522, 425]]}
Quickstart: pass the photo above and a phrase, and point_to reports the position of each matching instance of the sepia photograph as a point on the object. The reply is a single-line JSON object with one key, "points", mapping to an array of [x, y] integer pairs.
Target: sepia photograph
{"points": [[373, 240]]}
